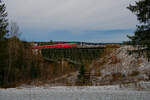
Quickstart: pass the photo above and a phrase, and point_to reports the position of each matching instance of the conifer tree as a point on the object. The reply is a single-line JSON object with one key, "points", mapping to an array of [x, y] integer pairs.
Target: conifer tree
{"points": [[81, 73], [3, 42], [141, 38], [3, 20]]}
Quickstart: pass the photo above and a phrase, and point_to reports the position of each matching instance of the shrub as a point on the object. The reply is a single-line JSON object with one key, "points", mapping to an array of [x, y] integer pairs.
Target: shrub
{"points": [[135, 73]]}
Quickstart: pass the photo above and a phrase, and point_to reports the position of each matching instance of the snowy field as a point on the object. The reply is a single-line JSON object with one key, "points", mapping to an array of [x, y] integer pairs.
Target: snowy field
{"points": [[73, 93]]}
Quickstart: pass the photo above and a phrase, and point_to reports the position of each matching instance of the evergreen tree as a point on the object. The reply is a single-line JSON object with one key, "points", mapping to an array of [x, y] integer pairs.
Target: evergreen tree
{"points": [[3, 20], [141, 38], [3, 41], [81, 73]]}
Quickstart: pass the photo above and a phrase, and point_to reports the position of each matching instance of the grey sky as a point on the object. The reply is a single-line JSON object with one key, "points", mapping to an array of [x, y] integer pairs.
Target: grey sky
{"points": [[72, 15]]}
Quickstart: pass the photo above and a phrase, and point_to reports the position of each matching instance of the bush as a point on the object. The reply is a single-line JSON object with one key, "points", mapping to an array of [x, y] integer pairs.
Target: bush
{"points": [[113, 46], [81, 73], [135, 73], [117, 76]]}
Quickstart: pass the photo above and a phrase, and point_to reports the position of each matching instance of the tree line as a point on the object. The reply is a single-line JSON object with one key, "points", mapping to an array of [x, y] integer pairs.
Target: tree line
{"points": [[75, 54], [17, 62]]}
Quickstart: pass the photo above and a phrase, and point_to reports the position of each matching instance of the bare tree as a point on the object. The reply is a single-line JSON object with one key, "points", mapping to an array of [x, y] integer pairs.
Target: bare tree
{"points": [[13, 46], [14, 30]]}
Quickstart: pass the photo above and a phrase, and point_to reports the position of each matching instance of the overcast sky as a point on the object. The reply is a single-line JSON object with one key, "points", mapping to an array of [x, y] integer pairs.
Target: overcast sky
{"points": [[73, 20]]}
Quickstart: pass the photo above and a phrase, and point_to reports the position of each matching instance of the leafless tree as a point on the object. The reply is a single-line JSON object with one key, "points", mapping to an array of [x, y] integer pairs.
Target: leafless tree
{"points": [[14, 30], [13, 45]]}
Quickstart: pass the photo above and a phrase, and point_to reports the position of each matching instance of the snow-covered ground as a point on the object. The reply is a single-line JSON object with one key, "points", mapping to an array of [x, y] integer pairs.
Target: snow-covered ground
{"points": [[73, 93]]}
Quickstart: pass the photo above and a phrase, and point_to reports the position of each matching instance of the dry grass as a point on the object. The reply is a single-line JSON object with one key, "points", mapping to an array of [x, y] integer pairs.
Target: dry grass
{"points": [[113, 46], [134, 73], [114, 60]]}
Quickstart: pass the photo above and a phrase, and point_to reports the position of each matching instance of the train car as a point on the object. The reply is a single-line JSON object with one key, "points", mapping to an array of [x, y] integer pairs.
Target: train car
{"points": [[55, 46]]}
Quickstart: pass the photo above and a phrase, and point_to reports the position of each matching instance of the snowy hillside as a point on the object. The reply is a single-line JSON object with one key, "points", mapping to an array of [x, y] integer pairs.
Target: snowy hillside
{"points": [[117, 67], [114, 68]]}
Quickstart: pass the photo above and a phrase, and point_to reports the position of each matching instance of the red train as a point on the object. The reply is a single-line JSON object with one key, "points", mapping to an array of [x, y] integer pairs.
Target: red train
{"points": [[55, 46]]}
